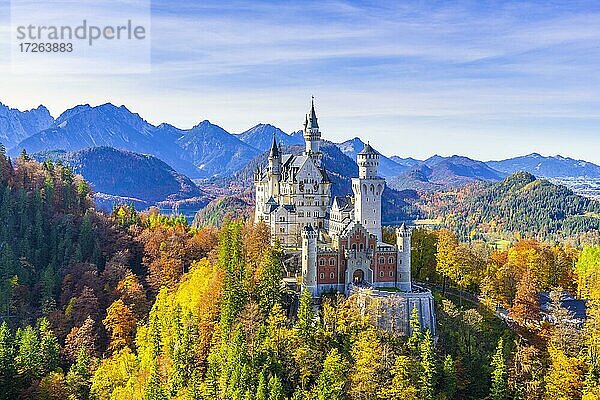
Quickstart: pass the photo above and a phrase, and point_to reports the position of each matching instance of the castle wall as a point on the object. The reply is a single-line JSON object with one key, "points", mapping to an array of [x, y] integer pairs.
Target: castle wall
{"points": [[391, 311]]}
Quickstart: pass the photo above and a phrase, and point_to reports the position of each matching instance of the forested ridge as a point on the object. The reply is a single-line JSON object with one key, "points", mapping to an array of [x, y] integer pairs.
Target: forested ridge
{"points": [[519, 205], [143, 306]]}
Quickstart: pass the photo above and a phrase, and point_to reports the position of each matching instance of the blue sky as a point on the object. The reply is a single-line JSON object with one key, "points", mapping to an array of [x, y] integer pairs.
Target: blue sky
{"points": [[487, 80]]}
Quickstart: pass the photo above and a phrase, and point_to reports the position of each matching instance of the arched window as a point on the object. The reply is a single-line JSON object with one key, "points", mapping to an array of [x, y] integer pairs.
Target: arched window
{"points": [[332, 261], [391, 273], [391, 260], [353, 246], [372, 188], [321, 261], [361, 247], [381, 273], [381, 260], [331, 275], [321, 276]]}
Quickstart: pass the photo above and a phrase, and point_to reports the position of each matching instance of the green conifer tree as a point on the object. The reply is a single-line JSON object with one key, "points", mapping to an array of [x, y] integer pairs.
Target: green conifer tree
{"points": [[306, 316], [262, 392], [7, 361], [331, 381], [449, 377], [427, 379], [499, 373], [275, 389]]}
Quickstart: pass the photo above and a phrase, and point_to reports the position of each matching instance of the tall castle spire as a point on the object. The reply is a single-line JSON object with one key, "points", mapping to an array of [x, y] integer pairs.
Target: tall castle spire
{"points": [[312, 135], [274, 148]]}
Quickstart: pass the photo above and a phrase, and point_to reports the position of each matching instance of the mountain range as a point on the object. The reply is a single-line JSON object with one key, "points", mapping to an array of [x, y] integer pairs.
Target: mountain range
{"points": [[18, 125], [261, 137], [200, 152], [207, 152], [548, 167], [439, 172]]}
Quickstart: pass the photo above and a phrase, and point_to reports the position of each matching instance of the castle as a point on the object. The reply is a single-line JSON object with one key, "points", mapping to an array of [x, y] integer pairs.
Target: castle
{"points": [[340, 239]]}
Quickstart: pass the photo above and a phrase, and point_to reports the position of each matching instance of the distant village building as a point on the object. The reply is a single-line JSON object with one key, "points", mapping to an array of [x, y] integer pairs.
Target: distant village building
{"points": [[340, 239]]}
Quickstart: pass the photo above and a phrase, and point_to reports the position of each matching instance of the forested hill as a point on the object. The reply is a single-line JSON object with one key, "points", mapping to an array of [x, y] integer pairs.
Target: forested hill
{"points": [[521, 204], [126, 174], [74, 282], [223, 209]]}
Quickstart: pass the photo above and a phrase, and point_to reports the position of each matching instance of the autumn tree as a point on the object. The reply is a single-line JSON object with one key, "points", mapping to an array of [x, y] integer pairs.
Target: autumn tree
{"points": [[526, 306], [423, 254], [120, 323], [526, 372], [82, 337], [564, 379], [365, 375], [447, 257]]}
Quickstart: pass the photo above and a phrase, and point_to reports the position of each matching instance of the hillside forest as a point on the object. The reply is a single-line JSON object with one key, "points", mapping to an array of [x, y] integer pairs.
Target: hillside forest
{"points": [[132, 305]]}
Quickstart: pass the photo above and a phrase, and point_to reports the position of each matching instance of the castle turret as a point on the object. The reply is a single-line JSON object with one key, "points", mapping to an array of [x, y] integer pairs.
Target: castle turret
{"points": [[274, 168], [309, 260], [403, 275], [368, 188], [312, 135]]}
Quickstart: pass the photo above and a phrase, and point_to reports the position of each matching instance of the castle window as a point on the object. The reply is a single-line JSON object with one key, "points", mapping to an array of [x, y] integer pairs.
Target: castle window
{"points": [[331, 275], [381, 273], [391, 260], [321, 276], [391, 273], [322, 261], [332, 261]]}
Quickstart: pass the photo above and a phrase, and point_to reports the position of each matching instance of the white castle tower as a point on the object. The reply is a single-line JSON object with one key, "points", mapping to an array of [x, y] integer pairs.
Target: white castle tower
{"points": [[368, 188], [403, 274], [309, 260], [312, 135]]}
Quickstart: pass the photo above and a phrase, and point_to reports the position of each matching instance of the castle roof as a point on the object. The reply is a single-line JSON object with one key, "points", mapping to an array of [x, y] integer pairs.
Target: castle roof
{"points": [[368, 149], [343, 203], [311, 118]]}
